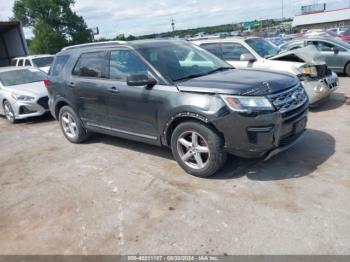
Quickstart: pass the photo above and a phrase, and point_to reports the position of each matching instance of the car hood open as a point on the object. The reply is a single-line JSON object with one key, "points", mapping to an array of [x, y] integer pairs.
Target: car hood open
{"points": [[309, 55], [250, 82]]}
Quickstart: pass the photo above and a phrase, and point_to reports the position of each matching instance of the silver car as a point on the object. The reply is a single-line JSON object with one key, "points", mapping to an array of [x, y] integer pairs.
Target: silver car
{"points": [[335, 51], [22, 93]]}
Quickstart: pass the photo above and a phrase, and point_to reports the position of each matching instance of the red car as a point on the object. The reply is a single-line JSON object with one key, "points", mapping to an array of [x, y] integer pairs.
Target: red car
{"points": [[345, 36]]}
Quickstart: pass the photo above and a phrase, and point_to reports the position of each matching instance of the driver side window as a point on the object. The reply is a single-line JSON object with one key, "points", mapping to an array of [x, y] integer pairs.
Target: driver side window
{"points": [[324, 46], [124, 63]]}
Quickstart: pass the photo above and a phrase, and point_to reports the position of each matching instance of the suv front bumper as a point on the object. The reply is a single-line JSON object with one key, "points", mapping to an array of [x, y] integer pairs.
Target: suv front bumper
{"points": [[254, 136]]}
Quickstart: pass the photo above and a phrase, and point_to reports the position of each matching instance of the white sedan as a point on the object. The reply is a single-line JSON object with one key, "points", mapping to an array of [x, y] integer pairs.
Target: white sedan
{"points": [[22, 93]]}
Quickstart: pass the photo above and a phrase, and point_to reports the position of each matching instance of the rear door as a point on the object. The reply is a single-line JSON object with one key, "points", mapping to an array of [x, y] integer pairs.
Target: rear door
{"points": [[89, 86]]}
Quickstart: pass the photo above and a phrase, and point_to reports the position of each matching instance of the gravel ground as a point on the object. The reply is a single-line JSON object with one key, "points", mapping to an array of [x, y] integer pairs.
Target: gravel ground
{"points": [[113, 196]]}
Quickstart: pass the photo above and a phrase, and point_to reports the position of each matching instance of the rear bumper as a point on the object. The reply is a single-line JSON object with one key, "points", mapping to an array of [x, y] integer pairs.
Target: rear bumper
{"points": [[262, 135]]}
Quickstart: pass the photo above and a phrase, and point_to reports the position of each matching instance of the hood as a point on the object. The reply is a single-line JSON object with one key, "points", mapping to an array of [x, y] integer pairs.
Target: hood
{"points": [[240, 82], [37, 89], [309, 54]]}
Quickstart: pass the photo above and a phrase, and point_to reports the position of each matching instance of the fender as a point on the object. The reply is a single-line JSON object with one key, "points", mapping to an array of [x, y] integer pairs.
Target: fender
{"points": [[174, 119], [53, 108]]}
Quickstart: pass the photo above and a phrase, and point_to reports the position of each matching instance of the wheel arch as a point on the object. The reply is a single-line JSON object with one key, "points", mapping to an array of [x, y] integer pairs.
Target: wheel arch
{"points": [[58, 105], [181, 118], [346, 65]]}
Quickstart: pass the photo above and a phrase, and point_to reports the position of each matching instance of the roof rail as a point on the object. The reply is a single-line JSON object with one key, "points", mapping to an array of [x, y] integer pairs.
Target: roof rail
{"points": [[94, 44]]}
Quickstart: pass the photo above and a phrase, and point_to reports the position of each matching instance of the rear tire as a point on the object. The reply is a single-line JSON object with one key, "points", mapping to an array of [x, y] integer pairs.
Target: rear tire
{"points": [[347, 69], [72, 126], [198, 149], [9, 113]]}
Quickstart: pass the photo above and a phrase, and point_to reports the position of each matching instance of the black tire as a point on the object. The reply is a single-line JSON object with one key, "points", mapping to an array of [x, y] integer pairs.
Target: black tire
{"points": [[79, 134], [208, 138], [10, 116], [347, 69]]}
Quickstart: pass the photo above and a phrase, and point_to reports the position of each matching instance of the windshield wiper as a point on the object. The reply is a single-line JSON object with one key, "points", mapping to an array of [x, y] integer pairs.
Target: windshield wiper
{"points": [[224, 68], [203, 74]]}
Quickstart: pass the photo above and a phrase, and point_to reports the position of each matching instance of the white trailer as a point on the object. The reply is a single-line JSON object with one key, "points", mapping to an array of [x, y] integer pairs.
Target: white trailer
{"points": [[12, 42]]}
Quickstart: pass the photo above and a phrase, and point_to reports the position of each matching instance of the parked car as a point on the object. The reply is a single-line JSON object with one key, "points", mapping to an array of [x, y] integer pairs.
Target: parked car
{"points": [[345, 36], [43, 62], [254, 52], [335, 51], [149, 91], [22, 93], [337, 30]]}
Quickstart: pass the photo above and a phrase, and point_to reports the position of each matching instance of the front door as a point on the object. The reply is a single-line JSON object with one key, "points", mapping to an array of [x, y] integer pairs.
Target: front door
{"points": [[133, 109]]}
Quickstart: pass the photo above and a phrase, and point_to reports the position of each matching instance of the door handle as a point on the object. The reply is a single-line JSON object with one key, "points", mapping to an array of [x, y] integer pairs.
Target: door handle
{"points": [[71, 84], [114, 90]]}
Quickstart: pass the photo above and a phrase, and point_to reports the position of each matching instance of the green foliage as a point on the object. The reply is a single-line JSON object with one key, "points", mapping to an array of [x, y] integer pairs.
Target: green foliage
{"points": [[54, 24]]}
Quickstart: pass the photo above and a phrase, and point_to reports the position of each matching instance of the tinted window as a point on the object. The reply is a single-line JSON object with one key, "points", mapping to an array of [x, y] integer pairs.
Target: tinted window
{"points": [[124, 63], [42, 61], [27, 62], [59, 63], [21, 62], [233, 51], [213, 48], [90, 65], [13, 62], [23, 76]]}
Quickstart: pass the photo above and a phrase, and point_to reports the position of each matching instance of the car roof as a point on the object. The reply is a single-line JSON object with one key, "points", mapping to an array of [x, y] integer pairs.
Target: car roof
{"points": [[15, 68], [130, 44], [33, 56]]}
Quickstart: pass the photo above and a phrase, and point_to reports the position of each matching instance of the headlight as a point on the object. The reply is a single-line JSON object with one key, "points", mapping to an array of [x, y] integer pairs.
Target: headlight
{"points": [[309, 70], [22, 97], [247, 103]]}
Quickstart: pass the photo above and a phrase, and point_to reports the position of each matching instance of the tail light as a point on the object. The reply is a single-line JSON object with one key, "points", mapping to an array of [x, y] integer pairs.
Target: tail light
{"points": [[46, 82]]}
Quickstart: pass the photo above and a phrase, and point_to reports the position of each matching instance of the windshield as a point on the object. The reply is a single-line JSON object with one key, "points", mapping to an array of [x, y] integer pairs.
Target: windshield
{"points": [[180, 60], [42, 61], [23, 76], [263, 47]]}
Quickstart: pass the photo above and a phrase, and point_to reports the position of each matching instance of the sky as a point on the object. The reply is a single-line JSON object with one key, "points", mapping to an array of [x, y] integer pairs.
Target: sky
{"points": [[138, 17]]}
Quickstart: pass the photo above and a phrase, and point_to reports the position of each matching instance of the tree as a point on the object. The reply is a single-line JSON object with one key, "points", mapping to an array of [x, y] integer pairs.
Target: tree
{"points": [[54, 24]]}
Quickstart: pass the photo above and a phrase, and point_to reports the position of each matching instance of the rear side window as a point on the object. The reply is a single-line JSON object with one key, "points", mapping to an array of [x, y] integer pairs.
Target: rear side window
{"points": [[21, 62], [27, 63], [214, 49], [14, 62], [90, 65], [58, 65]]}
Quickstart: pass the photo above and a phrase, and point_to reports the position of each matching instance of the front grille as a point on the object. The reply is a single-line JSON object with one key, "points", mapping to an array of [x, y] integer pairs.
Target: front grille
{"points": [[44, 102], [323, 71], [289, 101]]}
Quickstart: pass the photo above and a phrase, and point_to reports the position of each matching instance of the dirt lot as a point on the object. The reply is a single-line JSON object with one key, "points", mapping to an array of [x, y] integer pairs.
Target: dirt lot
{"points": [[112, 196]]}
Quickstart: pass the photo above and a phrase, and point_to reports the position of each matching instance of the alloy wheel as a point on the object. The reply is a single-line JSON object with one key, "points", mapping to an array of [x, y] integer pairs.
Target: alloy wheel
{"points": [[193, 150], [9, 112], [69, 125]]}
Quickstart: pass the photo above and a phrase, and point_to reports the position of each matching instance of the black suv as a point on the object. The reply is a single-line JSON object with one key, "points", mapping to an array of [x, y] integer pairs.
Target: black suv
{"points": [[172, 93]]}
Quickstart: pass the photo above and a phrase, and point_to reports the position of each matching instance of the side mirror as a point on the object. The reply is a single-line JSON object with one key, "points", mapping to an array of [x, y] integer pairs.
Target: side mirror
{"points": [[336, 50], [248, 57], [141, 80]]}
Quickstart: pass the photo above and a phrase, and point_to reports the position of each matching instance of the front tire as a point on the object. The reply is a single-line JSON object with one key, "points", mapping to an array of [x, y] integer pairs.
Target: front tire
{"points": [[9, 113], [72, 126], [198, 149], [347, 69]]}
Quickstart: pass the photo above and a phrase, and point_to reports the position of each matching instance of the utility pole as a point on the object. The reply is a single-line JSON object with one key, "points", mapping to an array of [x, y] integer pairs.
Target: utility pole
{"points": [[173, 24]]}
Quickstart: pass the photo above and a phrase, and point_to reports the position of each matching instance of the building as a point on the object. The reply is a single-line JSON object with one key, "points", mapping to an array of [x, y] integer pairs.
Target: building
{"points": [[323, 20]]}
